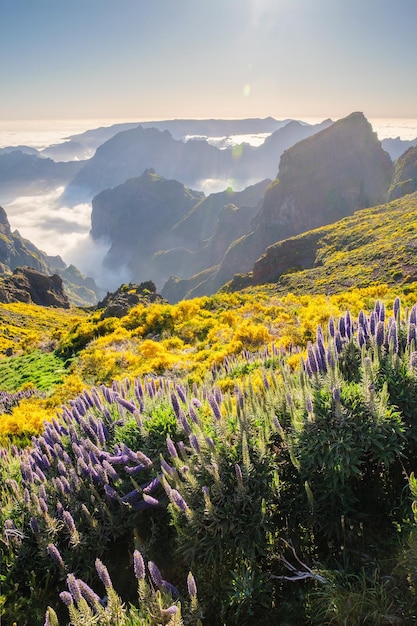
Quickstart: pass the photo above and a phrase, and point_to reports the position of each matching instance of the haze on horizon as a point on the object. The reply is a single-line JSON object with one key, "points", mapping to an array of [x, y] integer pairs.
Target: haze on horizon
{"points": [[224, 59]]}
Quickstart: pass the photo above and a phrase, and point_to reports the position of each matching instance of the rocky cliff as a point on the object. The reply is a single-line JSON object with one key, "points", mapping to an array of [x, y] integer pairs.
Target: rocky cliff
{"points": [[404, 180], [28, 285], [320, 180]]}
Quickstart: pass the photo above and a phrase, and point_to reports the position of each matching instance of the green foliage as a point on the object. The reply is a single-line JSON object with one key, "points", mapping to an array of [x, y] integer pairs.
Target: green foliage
{"points": [[42, 370]]}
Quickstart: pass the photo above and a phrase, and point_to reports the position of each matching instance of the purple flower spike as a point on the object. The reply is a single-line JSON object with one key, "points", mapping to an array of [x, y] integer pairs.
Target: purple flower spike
{"points": [[214, 407], [175, 404], [177, 499], [138, 565], [396, 307], [413, 360], [194, 443], [155, 574], [171, 610], [55, 555], [74, 587], [103, 574], [336, 394], [380, 334], [88, 594], [192, 587], [150, 500], [171, 448], [34, 526], [66, 598], [69, 521]]}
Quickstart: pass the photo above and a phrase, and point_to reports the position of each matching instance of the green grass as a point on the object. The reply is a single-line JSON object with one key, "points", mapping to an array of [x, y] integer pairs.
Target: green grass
{"points": [[41, 370]]}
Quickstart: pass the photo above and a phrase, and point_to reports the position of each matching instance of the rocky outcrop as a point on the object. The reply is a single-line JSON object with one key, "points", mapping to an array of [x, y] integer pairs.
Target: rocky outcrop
{"points": [[28, 285], [118, 303], [404, 180]]}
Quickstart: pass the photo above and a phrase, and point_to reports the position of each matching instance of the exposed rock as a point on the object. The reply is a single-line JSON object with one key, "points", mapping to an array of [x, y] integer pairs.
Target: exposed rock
{"points": [[404, 180], [28, 285], [118, 303]]}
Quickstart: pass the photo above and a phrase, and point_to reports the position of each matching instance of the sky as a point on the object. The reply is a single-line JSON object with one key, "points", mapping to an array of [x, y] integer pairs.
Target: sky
{"points": [[162, 59]]}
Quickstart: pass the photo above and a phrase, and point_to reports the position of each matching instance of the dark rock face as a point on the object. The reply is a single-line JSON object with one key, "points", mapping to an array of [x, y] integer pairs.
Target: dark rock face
{"points": [[118, 303], [28, 285], [404, 180]]}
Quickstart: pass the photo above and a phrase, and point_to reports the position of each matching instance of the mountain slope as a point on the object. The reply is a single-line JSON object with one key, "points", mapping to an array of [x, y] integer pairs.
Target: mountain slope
{"points": [[321, 179], [375, 245]]}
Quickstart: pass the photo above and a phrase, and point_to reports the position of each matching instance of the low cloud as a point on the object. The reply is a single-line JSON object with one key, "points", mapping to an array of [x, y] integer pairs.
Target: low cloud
{"points": [[57, 229]]}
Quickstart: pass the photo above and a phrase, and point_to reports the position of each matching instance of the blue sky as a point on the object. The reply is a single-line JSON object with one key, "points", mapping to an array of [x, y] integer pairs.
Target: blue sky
{"points": [[160, 59]]}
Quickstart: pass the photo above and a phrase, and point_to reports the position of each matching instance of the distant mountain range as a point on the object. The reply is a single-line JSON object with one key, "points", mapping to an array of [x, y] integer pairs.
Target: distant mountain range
{"points": [[149, 208]]}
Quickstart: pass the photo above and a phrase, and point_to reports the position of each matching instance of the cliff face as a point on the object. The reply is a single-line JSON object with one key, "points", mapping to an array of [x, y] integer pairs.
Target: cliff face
{"points": [[137, 219], [404, 180], [28, 285], [320, 180]]}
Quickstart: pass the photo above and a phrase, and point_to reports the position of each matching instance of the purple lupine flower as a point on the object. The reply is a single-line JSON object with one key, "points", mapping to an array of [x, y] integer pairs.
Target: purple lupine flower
{"points": [[181, 392], [342, 326], [184, 422], [26, 496], [144, 459], [173, 591], [55, 555], [396, 307], [311, 358], [59, 509], [88, 594], [238, 472], [69, 521], [129, 406], [377, 308], [109, 469], [338, 344], [171, 610], [74, 587], [277, 424], [43, 505], [34, 526], [205, 491], [138, 565], [62, 470], [413, 315], [382, 312], [166, 467], [321, 359], [361, 337], [411, 334], [175, 404], [214, 407], [191, 586], [177, 499], [218, 395], [14, 488], [336, 394], [210, 443], [372, 323], [194, 443], [103, 574], [348, 324], [172, 451], [138, 390], [152, 486], [111, 493], [193, 414], [331, 327], [66, 598], [150, 500], [309, 404], [155, 574], [380, 334], [362, 321], [135, 470], [413, 360], [393, 336]]}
